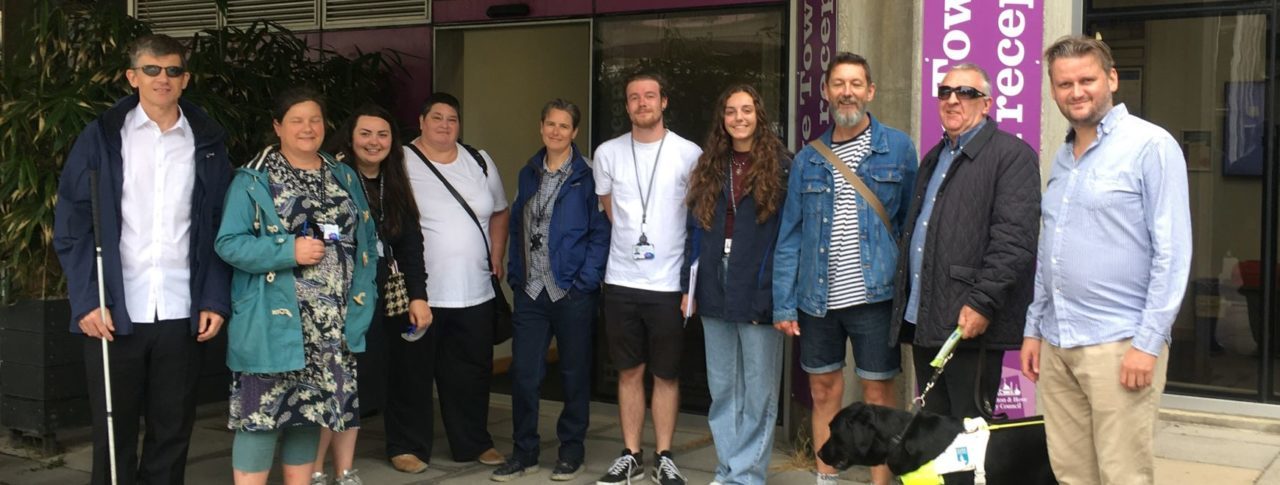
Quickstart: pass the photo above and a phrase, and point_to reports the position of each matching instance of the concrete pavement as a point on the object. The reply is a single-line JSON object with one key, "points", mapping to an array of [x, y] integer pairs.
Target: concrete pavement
{"points": [[1191, 448]]}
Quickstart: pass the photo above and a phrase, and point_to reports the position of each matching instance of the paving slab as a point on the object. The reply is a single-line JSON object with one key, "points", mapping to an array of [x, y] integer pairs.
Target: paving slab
{"points": [[1216, 451], [1171, 471]]}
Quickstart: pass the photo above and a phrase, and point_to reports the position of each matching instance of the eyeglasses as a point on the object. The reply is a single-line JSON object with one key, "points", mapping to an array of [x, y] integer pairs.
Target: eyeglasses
{"points": [[963, 92], [154, 70]]}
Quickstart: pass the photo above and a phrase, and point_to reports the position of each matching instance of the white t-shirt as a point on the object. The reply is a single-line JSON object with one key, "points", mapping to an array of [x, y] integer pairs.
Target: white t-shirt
{"points": [[455, 253], [626, 178]]}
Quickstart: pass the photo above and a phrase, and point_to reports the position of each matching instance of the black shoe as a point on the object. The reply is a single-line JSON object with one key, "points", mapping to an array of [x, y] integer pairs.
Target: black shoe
{"points": [[565, 471], [512, 470], [665, 471], [627, 467]]}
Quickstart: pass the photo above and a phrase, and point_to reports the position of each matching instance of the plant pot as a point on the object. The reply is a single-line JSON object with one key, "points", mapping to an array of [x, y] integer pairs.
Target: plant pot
{"points": [[42, 383]]}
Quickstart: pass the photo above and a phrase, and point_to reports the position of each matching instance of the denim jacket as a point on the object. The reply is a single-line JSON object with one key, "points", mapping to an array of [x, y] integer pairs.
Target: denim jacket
{"points": [[804, 237]]}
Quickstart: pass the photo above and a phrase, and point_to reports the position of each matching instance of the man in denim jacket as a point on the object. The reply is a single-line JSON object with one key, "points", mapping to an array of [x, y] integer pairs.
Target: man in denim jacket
{"points": [[833, 239]]}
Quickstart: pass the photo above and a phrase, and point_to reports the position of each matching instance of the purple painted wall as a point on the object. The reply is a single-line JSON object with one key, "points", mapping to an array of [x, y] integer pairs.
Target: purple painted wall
{"points": [[628, 6], [414, 44], [456, 11]]}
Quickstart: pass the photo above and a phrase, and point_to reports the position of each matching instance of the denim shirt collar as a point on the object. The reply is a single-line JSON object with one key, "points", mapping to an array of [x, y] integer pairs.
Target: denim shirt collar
{"points": [[1109, 122]]}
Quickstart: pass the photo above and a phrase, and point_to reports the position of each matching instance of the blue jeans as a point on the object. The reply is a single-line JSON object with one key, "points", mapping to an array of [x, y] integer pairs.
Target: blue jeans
{"points": [[744, 370], [571, 320]]}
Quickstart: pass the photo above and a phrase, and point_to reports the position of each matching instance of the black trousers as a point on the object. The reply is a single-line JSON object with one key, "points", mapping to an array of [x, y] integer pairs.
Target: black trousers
{"points": [[457, 354], [153, 377], [953, 395]]}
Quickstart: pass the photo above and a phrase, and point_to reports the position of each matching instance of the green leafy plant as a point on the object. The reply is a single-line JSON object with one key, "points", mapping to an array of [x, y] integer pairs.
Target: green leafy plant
{"points": [[73, 69]]}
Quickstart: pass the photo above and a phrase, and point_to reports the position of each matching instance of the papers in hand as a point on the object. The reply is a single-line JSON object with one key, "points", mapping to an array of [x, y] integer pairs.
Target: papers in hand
{"points": [[693, 286]]}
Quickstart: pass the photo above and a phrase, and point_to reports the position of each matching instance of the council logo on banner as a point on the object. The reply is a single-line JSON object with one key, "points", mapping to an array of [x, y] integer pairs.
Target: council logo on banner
{"points": [[1005, 38]]}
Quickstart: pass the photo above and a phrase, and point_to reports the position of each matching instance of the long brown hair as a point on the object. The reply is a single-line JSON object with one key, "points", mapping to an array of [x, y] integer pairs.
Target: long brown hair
{"points": [[764, 180], [398, 204]]}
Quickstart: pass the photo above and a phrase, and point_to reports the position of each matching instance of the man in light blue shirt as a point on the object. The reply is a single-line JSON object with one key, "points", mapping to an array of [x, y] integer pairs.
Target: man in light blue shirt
{"points": [[1114, 254]]}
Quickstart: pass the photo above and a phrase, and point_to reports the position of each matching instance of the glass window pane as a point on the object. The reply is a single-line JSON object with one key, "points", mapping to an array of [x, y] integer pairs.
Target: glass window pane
{"points": [[1203, 80], [700, 54]]}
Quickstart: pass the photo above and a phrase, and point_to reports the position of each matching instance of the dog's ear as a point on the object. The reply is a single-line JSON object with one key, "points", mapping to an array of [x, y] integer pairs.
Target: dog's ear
{"points": [[853, 436], [926, 437]]}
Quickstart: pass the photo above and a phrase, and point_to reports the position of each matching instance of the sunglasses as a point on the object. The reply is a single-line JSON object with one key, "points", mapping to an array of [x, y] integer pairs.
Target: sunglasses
{"points": [[963, 92], [154, 70]]}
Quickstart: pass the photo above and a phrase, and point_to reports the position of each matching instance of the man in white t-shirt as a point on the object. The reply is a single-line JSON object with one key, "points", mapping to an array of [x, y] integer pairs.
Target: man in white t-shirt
{"points": [[641, 179], [457, 350]]}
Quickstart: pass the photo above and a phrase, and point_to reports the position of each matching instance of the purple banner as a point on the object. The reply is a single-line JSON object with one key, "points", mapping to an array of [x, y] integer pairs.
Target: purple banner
{"points": [[1017, 396], [816, 26], [1006, 38]]}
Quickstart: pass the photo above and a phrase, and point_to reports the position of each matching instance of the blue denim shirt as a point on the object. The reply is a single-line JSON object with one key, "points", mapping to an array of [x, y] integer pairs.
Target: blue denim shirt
{"points": [[800, 262], [945, 157]]}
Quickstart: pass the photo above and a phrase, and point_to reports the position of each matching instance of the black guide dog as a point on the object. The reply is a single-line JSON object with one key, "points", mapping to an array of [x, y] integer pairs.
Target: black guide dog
{"points": [[862, 434]]}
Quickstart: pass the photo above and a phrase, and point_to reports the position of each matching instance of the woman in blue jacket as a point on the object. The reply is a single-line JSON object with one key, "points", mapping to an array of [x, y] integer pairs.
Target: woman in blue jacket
{"points": [[555, 264], [735, 196], [298, 234]]}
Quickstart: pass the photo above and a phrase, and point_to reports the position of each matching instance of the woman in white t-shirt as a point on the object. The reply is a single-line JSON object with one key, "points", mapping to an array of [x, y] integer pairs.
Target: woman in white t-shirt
{"points": [[457, 350]]}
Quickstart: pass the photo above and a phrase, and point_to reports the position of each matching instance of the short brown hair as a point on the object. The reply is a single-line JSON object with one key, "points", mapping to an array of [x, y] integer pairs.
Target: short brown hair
{"points": [[847, 58], [1079, 46], [158, 45], [645, 74]]}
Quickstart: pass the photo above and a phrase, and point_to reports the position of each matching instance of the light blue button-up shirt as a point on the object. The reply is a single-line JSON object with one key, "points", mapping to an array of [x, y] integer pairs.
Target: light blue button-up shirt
{"points": [[945, 157], [1115, 249]]}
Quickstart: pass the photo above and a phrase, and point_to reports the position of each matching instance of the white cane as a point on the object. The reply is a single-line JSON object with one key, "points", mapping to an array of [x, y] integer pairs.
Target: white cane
{"points": [[102, 313]]}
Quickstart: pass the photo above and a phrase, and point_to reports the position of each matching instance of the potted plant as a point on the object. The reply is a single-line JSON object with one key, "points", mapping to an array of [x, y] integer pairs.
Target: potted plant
{"points": [[70, 71]]}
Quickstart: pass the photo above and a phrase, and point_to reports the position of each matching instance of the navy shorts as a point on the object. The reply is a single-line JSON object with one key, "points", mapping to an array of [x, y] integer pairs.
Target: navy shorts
{"points": [[865, 326]]}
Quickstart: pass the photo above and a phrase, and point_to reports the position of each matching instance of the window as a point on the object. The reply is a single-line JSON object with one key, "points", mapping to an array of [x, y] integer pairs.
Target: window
{"points": [[184, 18]]}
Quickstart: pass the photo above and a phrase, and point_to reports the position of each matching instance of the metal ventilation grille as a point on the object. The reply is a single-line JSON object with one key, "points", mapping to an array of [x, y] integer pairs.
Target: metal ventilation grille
{"points": [[374, 12], [177, 17], [294, 14]]}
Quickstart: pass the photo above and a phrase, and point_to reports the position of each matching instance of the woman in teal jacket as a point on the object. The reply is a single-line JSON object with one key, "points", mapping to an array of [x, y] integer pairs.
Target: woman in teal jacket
{"points": [[298, 234]]}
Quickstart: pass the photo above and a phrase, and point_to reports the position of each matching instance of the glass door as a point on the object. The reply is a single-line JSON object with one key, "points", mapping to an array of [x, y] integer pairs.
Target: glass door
{"points": [[1204, 79]]}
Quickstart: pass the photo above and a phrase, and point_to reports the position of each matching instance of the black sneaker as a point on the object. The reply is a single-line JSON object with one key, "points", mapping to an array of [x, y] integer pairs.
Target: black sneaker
{"points": [[512, 470], [665, 471], [565, 471], [627, 467]]}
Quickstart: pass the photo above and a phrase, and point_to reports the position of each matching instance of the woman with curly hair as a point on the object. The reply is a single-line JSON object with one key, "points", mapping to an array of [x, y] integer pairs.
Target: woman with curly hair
{"points": [[735, 197]]}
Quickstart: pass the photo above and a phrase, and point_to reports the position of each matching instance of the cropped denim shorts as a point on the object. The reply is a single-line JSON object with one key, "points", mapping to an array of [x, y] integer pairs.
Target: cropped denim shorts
{"points": [[822, 341]]}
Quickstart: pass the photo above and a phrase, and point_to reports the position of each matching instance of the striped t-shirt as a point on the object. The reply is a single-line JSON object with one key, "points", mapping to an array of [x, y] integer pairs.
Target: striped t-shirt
{"points": [[846, 286]]}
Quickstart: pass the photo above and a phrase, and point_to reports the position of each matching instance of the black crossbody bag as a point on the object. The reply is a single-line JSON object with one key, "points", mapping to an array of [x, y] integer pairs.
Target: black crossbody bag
{"points": [[501, 307]]}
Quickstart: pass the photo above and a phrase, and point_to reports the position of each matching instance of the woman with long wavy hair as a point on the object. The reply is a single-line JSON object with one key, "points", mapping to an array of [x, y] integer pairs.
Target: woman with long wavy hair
{"points": [[734, 200]]}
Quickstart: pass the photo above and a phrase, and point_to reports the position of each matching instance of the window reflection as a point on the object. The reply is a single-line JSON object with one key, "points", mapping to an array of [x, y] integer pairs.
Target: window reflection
{"points": [[1203, 79], [699, 53]]}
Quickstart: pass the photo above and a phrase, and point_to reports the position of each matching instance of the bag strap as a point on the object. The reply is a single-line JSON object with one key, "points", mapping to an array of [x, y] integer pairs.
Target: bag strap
{"points": [[458, 197], [853, 180]]}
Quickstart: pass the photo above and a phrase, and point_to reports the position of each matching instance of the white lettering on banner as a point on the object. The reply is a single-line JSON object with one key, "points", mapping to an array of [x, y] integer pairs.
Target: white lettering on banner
{"points": [[828, 15], [806, 61], [950, 49], [956, 13], [1011, 52]]}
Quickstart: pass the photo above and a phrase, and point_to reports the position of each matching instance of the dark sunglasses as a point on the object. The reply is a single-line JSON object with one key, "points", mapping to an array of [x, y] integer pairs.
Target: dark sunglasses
{"points": [[154, 70], [964, 92]]}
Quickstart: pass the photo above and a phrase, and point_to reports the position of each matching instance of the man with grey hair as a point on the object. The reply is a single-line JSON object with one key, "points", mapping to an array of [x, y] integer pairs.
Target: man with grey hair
{"points": [[1111, 273], [163, 172], [970, 241]]}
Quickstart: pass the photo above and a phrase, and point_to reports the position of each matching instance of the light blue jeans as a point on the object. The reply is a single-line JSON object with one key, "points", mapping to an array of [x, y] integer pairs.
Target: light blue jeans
{"points": [[744, 371]]}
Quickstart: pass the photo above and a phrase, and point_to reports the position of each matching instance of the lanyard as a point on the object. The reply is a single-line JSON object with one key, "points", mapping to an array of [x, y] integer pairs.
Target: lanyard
{"points": [[644, 194], [540, 213]]}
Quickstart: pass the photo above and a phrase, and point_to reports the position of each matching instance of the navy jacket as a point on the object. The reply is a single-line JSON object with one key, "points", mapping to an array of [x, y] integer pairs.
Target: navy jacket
{"points": [[578, 243], [98, 148], [745, 294]]}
